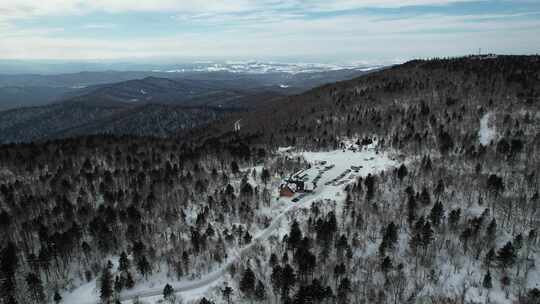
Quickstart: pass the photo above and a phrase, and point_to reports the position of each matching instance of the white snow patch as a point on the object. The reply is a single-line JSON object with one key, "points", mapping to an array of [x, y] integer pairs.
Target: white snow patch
{"points": [[487, 131]]}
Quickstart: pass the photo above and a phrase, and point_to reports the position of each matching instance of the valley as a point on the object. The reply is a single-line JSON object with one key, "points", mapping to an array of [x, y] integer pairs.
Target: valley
{"points": [[413, 184]]}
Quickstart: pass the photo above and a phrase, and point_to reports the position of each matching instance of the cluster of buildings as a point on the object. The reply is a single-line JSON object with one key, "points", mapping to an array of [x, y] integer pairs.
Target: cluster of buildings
{"points": [[296, 183]]}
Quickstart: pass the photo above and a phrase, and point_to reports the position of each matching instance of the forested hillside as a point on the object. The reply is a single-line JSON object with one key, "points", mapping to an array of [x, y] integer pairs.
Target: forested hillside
{"points": [[428, 192]]}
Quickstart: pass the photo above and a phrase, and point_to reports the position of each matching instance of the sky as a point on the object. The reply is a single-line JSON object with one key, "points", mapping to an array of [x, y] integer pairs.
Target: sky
{"points": [[307, 30]]}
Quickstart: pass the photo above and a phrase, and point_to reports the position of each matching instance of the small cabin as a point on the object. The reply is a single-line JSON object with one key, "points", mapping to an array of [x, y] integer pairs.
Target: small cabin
{"points": [[287, 190]]}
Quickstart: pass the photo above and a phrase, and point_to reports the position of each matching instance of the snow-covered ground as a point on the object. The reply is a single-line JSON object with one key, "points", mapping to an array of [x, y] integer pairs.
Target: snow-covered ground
{"points": [[487, 131], [334, 169]]}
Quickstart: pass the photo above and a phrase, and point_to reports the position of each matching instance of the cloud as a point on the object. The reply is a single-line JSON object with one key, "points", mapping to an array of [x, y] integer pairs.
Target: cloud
{"points": [[337, 37], [99, 26], [32, 8], [255, 28]]}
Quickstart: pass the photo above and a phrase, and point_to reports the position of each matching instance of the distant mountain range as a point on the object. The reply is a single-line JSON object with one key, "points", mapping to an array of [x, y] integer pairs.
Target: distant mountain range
{"points": [[40, 107]]}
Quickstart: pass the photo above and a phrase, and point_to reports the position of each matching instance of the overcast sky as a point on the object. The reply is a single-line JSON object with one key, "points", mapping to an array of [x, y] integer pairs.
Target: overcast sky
{"points": [[314, 30]]}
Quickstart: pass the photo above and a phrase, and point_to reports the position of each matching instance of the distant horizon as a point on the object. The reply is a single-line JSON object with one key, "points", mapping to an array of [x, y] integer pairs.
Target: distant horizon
{"points": [[316, 31], [59, 66]]}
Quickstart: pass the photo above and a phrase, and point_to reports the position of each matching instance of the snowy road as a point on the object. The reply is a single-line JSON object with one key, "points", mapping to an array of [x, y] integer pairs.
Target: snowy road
{"points": [[369, 161]]}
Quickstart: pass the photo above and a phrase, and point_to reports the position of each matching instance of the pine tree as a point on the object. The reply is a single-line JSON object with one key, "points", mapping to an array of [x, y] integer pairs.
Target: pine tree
{"points": [[295, 235], [288, 280], [227, 293], [118, 284], [168, 293], [436, 214], [35, 288], [275, 278], [124, 263], [386, 264], [57, 297], [390, 238], [260, 292], [106, 289], [8, 268], [454, 216], [205, 301], [491, 231], [490, 257], [144, 266], [130, 283], [265, 176], [343, 290], [411, 209], [506, 255], [247, 283], [402, 172], [486, 283], [427, 235]]}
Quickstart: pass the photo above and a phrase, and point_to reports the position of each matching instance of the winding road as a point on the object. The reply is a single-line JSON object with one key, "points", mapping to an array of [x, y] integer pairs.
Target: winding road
{"points": [[321, 192]]}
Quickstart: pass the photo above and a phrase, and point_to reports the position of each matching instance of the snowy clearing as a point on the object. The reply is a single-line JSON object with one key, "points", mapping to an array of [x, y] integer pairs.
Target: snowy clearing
{"points": [[487, 131], [335, 170]]}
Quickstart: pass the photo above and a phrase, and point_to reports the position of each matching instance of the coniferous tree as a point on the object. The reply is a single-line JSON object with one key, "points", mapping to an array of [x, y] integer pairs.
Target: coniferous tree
{"points": [[386, 264], [343, 290], [8, 267], [295, 235], [260, 292], [486, 283], [168, 293], [288, 280], [106, 288], [402, 172], [144, 266], [205, 301], [436, 214], [227, 293], [411, 209], [124, 263], [247, 283], [506, 255], [57, 298], [35, 288]]}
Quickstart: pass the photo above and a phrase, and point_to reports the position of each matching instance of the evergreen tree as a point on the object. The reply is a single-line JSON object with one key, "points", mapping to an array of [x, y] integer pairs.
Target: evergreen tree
{"points": [[124, 263], [106, 288], [205, 301], [436, 214], [288, 280], [486, 283], [130, 283], [275, 278], [118, 284], [57, 298], [265, 176], [390, 238], [295, 235], [8, 268], [491, 231], [168, 293], [144, 266], [386, 264], [454, 216], [427, 235], [247, 283], [35, 288], [260, 292], [411, 209], [343, 290], [227, 293], [402, 172], [506, 255], [490, 257]]}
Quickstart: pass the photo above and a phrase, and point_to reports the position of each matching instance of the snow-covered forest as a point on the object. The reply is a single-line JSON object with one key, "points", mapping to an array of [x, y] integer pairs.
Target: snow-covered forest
{"points": [[427, 191]]}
